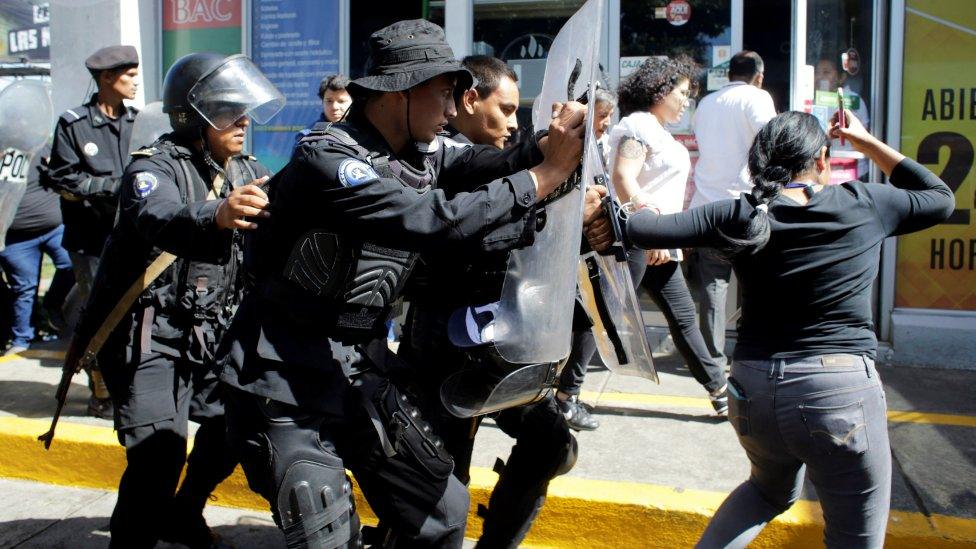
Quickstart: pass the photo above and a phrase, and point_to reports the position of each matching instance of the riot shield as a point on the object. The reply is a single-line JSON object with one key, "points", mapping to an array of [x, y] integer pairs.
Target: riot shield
{"points": [[151, 123], [26, 115], [609, 295], [535, 315]]}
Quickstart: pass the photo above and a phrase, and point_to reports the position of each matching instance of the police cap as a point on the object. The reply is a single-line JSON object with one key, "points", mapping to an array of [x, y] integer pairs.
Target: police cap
{"points": [[408, 53], [112, 57]]}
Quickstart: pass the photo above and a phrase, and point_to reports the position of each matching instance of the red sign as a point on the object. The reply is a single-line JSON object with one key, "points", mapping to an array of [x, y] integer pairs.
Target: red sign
{"points": [[201, 14], [678, 12]]}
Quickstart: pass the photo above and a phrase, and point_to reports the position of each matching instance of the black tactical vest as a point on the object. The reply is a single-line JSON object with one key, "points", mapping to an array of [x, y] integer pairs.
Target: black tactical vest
{"points": [[194, 291], [330, 277]]}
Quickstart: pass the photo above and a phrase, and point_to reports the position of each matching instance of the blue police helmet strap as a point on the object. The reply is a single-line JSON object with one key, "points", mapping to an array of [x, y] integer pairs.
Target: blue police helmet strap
{"points": [[353, 172]]}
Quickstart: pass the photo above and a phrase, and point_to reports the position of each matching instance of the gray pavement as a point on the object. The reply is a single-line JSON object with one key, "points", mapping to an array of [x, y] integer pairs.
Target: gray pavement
{"points": [[661, 444]]}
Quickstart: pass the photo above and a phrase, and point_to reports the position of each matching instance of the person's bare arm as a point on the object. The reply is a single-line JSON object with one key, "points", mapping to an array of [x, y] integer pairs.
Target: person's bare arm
{"points": [[628, 161]]}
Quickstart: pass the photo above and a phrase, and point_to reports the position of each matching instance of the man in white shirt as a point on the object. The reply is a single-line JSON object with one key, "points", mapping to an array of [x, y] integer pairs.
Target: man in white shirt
{"points": [[726, 122]]}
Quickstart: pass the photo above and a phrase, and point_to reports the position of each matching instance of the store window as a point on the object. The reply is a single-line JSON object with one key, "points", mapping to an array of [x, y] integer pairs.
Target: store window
{"points": [[839, 38], [699, 30], [520, 33]]}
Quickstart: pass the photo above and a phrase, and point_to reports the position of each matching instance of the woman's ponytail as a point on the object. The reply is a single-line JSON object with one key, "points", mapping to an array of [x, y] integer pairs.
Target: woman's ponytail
{"points": [[784, 148]]}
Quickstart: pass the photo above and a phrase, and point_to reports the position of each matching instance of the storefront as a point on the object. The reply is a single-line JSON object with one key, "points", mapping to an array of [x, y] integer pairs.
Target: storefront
{"points": [[906, 67]]}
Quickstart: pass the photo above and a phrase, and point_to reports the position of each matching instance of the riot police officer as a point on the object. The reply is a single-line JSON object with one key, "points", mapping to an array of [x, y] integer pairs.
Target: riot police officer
{"points": [[314, 384], [182, 203], [90, 152], [544, 446]]}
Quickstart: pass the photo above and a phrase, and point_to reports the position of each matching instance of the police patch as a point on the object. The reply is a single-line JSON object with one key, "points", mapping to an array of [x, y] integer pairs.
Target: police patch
{"points": [[91, 149], [355, 172], [144, 184]]}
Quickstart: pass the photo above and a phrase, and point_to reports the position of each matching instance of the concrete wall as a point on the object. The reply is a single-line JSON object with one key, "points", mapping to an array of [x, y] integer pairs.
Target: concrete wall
{"points": [[79, 27]]}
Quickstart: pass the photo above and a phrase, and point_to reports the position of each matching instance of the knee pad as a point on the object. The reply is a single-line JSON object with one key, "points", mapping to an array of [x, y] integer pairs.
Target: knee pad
{"points": [[315, 507]]}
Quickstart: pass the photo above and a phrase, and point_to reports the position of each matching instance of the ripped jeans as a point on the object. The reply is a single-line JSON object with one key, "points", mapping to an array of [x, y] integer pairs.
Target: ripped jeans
{"points": [[823, 415]]}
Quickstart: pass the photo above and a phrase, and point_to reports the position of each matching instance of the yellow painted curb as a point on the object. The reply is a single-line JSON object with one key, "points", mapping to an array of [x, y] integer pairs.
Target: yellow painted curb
{"points": [[578, 512]]}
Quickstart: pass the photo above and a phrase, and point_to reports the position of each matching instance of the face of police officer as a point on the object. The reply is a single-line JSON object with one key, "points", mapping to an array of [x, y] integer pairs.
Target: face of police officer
{"points": [[225, 143], [490, 121], [601, 118], [122, 82], [431, 107], [335, 103]]}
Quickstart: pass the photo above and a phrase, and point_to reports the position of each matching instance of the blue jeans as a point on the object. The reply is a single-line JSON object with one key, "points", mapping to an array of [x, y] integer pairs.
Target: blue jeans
{"points": [[22, 263], [824, 415]]}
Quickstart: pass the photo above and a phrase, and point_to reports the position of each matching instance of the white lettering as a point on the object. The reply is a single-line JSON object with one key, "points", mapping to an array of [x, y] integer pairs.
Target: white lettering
{"points": [[220, 13]]}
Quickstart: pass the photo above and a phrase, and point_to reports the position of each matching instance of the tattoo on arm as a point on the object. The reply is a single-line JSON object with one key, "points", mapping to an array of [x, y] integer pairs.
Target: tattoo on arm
{"points": [[631, 148]]}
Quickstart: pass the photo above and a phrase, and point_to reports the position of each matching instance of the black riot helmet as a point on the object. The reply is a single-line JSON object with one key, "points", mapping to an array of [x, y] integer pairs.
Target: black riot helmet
{"points": [[210, 88]]}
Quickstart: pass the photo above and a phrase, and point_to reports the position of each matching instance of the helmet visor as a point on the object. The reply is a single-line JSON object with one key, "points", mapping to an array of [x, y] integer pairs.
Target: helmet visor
{"points": [[235, 89]]}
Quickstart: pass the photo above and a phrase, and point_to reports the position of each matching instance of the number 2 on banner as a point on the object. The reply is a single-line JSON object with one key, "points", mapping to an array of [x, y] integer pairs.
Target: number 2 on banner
{"points": [[956, 169]]}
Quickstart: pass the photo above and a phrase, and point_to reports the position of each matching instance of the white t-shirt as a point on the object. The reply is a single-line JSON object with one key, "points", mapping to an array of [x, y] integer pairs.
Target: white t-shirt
{"points": [[666, 166], [725, 124]]}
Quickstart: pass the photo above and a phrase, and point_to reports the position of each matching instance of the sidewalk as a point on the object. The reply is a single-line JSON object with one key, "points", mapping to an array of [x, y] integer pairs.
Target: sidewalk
{"points": [[650, 476]]}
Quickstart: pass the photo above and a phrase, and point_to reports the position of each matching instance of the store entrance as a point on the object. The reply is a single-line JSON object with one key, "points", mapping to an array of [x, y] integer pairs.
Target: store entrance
{"points": [[765, 33]]}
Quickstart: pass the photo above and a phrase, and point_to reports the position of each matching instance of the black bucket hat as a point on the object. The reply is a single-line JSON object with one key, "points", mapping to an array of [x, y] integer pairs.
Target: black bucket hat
{"points": [[408, 53]]}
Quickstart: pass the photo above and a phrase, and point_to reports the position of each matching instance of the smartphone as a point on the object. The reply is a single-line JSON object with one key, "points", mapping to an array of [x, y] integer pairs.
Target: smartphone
{"points": [[841, 114]]}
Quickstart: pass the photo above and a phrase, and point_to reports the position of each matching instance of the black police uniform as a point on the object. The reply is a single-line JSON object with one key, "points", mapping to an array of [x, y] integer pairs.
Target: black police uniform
{"points": [[160, 357], [308, 349], [544, 446], [89, 155]]}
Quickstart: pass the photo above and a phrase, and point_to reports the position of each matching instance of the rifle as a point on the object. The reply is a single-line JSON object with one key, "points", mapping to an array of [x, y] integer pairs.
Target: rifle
{"points": [[72, 365]]}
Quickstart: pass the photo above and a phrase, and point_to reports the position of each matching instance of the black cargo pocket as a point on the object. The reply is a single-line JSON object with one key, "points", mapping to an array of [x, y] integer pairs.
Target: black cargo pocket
{"points": [[738, 408], [836, 430], [411, 436]]}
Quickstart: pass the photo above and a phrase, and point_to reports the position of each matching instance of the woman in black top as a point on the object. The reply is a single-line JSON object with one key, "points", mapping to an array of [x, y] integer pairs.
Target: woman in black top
{"points": [[804, 393]]}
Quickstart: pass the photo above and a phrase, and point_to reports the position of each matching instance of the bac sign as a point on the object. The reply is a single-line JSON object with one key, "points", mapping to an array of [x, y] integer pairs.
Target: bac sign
{"points": [[188, 14], [678, 12]]}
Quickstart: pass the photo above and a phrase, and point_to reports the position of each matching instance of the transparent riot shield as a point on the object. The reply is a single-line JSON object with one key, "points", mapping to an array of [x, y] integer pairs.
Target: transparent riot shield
{"points": [[610, 298], [534, 323], [151, 123], [26, 114]]}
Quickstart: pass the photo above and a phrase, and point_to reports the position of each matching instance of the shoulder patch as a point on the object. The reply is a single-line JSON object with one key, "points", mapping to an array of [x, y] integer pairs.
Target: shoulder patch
{"points": [[74, 115], [145, 153], [144, 184], [354, 172]]}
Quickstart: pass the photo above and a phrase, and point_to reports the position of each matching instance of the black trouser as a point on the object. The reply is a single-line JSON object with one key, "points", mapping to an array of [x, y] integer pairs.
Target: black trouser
{"points": [[544, 446], [154, 397], [296, 459], [667, 287], [580, 355]]}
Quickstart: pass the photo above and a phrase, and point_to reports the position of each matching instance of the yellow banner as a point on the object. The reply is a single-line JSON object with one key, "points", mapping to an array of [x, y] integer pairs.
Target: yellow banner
{"points": [[936, 268]]}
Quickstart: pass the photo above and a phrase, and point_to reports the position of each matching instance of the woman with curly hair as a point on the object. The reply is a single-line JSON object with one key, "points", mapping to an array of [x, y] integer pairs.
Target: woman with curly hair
{"points": [[650, 170]]}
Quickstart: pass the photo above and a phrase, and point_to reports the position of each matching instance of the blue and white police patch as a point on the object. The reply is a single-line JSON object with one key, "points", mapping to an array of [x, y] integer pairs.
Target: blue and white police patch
{"points": [[354, 172], [144, 184]]}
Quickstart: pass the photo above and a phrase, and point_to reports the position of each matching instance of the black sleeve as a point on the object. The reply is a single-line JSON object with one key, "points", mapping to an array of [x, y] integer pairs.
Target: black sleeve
{"points": [[385, 211], [915, 200], [480, 164], [161, 217], [65, 175], [697, 227]]}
